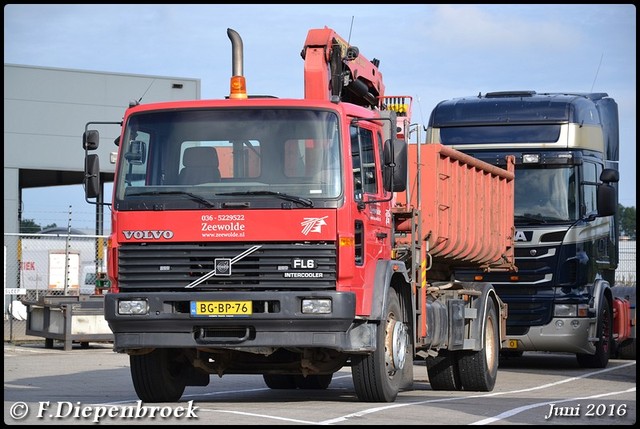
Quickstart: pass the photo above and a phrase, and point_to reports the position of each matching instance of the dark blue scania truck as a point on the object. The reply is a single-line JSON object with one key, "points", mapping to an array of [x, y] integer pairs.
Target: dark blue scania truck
{"points": [[563, 298]]}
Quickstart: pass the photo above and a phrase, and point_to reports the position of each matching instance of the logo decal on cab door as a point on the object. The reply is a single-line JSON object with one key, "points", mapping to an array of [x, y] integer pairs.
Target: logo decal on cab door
{"points": [[313, 224]]}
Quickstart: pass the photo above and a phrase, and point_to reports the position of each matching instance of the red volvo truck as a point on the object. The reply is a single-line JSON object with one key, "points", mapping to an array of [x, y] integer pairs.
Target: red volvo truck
{"points": [[258, 235]]}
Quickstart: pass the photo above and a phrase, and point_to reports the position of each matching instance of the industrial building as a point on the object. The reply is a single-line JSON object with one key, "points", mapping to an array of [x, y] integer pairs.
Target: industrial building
{"points": [[45, 113]]}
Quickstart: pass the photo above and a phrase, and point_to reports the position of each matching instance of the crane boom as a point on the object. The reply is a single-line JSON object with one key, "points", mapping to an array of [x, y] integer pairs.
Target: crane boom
{"points": [[334, 70]]}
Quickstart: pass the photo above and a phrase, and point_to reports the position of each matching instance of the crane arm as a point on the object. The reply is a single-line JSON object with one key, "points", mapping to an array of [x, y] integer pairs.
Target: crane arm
{"points": [[333, 70]]}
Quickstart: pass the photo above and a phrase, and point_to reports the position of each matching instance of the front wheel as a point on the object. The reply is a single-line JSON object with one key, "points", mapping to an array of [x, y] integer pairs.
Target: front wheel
{"points": [[479, 369], [158, 376], [378, 377], [600, 359]]}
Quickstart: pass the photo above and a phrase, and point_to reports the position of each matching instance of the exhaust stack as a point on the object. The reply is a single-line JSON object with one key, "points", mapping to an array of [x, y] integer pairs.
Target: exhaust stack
{"points": [[238, 86]]}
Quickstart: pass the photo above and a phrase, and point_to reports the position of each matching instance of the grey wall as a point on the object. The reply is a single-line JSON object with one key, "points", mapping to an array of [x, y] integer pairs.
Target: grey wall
{"points": [[45, 113]]}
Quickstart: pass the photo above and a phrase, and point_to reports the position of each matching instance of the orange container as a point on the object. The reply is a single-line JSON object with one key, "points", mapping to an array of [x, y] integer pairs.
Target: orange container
{"points": [[467, 207]]}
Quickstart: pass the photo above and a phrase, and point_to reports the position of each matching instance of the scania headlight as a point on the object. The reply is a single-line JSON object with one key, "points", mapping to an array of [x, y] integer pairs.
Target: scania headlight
{"points": [[571, 310], [133, 306], [565, 310]]}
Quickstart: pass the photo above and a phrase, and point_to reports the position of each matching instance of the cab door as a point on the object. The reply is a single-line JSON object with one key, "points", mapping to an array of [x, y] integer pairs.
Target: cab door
{"points": [[373, 216]]}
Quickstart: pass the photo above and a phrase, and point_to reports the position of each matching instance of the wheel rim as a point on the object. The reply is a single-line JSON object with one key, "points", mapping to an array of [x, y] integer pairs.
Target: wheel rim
{"points": [[490, 342], [396, 346]]}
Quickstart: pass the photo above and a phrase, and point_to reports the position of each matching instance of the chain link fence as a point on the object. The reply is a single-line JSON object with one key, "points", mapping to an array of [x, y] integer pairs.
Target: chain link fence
{"points": [[37, 266], [40, 266], [626, 272]]}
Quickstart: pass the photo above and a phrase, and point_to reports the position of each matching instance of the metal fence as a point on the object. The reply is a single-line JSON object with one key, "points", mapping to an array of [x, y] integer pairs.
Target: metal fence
{"points": [[44, 265], [37, 265], [626, 272]]}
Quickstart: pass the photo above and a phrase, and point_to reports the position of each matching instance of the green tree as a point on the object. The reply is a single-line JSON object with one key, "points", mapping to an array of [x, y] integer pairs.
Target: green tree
{"points": [[627, 220], [29, 226]]}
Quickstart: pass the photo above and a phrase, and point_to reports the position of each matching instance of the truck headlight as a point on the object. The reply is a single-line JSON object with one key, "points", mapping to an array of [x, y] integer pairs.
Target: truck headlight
{"points": [[565, 310], [571, 310], [133, 306], [316, 306]]}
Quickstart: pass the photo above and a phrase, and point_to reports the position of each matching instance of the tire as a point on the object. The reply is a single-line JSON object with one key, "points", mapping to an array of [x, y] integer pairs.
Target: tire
{"points": [[509, 354], [157, 376], [443, 371], [313, 382], [506, 355], [600, 359], [479, 369], [279, 381], [378, 377]]}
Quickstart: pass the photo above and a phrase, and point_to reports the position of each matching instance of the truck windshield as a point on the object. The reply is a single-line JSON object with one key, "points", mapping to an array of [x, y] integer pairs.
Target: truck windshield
{"points": [[545, 195], [492, 134], [190, 158]]}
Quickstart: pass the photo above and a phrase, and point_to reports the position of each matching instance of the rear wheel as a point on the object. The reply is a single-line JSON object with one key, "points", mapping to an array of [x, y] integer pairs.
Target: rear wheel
{"points": [[508, 354], [600, 359], [289, 381], [279, 381], [313, 382], [443, 371], [157, 376], [479, 369], [378, 377]]}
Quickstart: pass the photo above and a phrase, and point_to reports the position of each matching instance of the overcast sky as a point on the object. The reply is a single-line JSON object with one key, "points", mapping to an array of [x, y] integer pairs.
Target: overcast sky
{"points": [[431, 52]]}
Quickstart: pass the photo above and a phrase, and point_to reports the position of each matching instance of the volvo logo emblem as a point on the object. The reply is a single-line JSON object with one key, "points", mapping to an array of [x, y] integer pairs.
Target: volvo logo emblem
{"points": [[222, 266]]}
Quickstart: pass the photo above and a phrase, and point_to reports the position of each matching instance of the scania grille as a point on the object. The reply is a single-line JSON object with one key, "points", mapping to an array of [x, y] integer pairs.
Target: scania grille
{"points": [[227, 266], [536, 265], [524, 313]]}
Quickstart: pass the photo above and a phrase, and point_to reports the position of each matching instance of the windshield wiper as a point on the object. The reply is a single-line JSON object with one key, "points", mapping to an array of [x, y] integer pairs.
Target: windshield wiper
{"points": [[194, 197], [300, 200]]}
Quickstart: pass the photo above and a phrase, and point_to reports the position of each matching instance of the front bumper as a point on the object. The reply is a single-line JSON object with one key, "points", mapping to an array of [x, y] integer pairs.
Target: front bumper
{"points": [[571, 335], [277, 321]]}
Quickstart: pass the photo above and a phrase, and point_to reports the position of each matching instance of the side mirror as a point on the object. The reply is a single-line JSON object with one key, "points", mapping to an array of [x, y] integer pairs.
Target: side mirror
{"points": [[609, 175], [394, 170], [607, 201], [91, 176], [606, 194], [90, 140]]}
